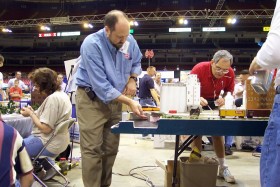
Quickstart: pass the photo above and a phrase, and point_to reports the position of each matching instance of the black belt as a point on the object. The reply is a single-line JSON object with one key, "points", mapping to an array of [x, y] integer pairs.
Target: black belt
{"points": [[86, 88], [278, 89], [88, 91]]}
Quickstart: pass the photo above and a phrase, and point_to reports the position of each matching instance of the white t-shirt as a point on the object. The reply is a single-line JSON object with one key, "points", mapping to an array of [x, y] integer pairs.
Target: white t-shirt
{"points": [[268, 56], [62, 86], [238, 88], [55, 109]]}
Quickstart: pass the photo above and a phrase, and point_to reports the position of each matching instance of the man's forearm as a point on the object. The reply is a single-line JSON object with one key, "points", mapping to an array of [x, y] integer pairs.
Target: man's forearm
{"points": [[155, 96], [124, 99]]}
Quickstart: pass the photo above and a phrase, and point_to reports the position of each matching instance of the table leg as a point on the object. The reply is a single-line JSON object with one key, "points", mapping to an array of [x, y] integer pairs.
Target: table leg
{"points": [[174, 180]]}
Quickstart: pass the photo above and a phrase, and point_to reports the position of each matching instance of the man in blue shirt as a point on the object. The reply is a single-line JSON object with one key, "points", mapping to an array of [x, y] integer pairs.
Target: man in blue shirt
{"points": [[110, 63]]}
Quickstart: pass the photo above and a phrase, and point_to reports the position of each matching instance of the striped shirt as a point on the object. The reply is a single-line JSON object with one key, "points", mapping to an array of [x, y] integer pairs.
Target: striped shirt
{"points": [[14, 159]]}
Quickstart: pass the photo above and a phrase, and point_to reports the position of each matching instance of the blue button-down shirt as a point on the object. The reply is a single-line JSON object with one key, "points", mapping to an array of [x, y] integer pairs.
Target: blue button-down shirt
{"points": [[104, 68]]}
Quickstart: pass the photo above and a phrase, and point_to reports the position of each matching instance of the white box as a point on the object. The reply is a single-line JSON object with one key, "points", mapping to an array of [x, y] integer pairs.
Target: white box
{"points": [[161, 141]]}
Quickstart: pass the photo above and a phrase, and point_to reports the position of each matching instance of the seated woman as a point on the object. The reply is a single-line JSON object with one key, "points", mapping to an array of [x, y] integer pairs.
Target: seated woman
{"points": [[55, 109]]}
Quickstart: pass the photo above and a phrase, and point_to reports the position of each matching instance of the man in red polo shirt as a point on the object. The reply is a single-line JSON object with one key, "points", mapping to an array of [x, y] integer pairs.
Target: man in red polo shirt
{"points": [[215, 76]]}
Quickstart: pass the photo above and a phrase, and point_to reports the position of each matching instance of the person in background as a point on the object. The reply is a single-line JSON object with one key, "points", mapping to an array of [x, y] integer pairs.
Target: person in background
{"points": [[55, 109], [170, 80], [268, 57], [157, 83], [60, 82], [215, 76], [147, 93], [21, 83], [14, 159], [15, 91], [228, 145], [2, 92], [106, 76], [240, 87], [238, 96]]}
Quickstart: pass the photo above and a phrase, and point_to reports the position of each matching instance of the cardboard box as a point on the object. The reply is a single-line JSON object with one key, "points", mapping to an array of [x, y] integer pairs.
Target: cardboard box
{"points": [[164, 141], [197, 174], [167, 166], [259, 101]]}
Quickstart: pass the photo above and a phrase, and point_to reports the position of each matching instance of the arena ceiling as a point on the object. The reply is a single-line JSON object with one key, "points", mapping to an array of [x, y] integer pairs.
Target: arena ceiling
{"points": [[23, 17]]}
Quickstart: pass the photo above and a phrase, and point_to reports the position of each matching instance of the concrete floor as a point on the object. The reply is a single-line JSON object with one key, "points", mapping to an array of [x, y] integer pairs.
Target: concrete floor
{"points": [[134, 152]]}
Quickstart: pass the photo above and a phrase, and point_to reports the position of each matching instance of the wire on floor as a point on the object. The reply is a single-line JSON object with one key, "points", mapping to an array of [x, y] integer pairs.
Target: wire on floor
{"points": [[141, 175]]}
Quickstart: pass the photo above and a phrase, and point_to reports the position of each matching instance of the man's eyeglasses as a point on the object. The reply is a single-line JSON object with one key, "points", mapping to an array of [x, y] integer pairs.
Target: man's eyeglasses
{"points": [[220, 70]]}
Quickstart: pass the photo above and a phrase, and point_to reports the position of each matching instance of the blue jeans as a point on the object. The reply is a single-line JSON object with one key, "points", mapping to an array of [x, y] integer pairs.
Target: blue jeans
{"points": [[149, 101], [270, 154], [34, 145], [228, 141]]}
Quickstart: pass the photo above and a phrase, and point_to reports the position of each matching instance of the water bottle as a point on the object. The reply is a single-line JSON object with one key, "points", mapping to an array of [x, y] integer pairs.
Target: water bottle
{"points": [[229, 101]]}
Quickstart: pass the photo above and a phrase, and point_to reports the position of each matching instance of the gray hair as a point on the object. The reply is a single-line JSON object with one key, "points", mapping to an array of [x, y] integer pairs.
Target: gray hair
{"points": [[222, 54]]}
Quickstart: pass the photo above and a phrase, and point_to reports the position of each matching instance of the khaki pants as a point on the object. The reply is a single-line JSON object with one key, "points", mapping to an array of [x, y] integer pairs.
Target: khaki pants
{"points": [[99, 146]]}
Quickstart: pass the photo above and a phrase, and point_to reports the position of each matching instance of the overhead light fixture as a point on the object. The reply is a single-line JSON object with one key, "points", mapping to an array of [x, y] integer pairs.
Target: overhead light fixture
{"points": [[6, 30], [88, 26], [231, 20], [133, 23], [183, 21], [45, 28]]}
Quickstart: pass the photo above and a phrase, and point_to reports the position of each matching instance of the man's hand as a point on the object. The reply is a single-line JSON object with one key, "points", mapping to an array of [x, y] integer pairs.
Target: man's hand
{"points": [[136, 108], [254, 66], [133, 105], [203, 102], [220, 101], [130, 88]]}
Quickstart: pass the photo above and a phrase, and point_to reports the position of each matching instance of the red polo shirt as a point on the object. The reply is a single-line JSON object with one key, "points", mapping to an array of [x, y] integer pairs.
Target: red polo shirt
{"points": [[210, 86]]}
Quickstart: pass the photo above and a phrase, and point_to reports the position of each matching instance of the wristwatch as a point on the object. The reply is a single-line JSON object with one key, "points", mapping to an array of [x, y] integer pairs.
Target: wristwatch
{"points": [[134, 78]]}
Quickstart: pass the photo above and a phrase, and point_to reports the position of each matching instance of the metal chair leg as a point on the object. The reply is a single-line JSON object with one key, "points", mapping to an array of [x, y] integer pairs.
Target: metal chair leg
{"points": [[59, 173], [39, 180]]}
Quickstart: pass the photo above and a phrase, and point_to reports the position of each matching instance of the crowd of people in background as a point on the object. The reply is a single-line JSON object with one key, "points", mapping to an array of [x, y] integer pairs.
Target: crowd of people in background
{"points": [[15, 88]]}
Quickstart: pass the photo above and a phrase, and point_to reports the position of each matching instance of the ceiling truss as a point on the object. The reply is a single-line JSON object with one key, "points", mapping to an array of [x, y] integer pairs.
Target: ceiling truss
{"points": [[151, 16], [213, 21]]}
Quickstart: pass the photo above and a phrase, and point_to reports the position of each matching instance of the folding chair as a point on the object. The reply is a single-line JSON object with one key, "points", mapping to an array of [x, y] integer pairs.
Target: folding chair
{"points": [[61, 128]]}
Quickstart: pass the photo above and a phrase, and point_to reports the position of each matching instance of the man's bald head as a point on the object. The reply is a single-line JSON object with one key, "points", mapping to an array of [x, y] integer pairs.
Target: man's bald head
{"points": [[116, 28], [113, 17]]}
